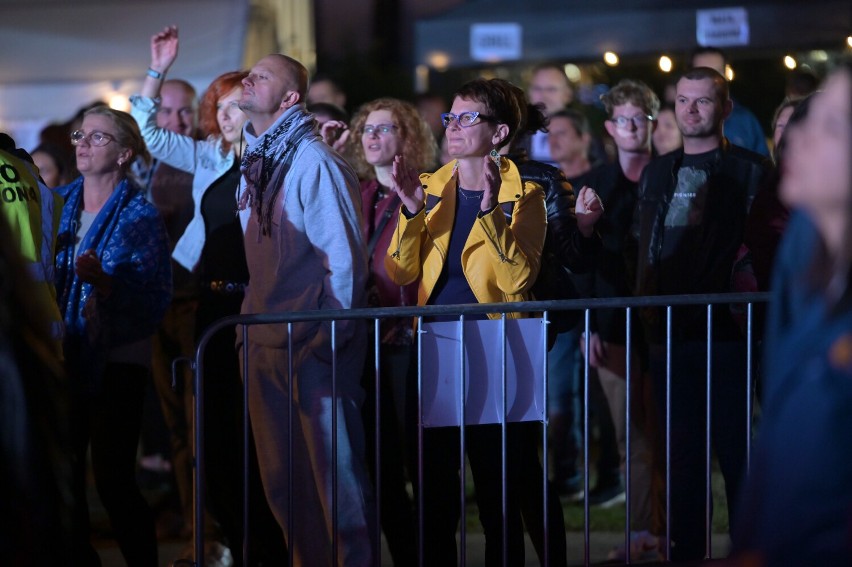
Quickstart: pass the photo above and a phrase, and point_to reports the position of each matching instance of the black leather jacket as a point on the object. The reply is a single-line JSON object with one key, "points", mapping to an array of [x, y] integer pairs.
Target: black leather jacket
{"points": [[575, 252], [612, 275], [735, 175]]}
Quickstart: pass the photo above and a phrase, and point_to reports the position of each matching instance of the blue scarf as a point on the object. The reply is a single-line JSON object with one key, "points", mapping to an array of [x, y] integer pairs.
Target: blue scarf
{"points": [[129, 238]]}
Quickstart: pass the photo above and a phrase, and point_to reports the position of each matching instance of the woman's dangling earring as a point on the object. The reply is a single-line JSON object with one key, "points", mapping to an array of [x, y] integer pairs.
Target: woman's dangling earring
{"points": [[495, 157]]}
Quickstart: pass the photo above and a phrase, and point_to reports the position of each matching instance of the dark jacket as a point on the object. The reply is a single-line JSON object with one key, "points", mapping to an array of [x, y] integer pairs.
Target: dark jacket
{"points": [[796, 508], [572, 250], [734, 177], [383, 292], [611, 275]]}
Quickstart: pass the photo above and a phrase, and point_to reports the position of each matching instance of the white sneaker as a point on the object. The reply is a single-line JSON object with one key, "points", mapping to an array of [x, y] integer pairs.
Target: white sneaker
{"points": [[644, 546]]}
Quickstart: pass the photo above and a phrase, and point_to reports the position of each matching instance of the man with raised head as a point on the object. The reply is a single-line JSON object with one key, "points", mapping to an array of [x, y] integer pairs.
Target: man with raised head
{"points": [[690, 219], [300, 208]]}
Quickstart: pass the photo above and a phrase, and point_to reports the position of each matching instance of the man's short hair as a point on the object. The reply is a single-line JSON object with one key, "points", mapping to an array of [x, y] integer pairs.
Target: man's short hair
{"points": [[578, 120], [186, 86], [333, 111], [298, 74], [550, 66], [700, 73], [628, 91], [708, 50]]}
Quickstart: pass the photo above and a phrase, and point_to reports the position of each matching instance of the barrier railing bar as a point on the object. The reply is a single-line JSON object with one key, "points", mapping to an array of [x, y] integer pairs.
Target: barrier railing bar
{"points": [[377, 544], [546, 491], [708, 439], [462, 445], [668, 433], [627, 446], [586, 408], [544, 307], [503, 425]]}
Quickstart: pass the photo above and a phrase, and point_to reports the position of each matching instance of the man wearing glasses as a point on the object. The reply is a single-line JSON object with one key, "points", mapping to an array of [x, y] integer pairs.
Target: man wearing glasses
{"points": [[631, 108]]}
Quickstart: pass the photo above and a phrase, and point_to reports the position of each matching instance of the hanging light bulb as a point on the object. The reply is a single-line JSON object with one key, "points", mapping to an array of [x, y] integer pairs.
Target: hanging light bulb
{"points": [[610, 58]]}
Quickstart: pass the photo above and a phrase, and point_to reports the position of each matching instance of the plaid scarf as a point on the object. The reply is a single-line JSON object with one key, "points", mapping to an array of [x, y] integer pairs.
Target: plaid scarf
{"points": [[267, 164]]}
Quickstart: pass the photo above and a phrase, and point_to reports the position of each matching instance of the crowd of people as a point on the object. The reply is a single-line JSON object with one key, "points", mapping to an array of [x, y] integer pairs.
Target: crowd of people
{"points": [[265, 197]]}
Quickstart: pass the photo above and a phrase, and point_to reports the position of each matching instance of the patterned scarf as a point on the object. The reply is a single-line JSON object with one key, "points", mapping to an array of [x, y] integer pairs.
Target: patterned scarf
{"points": [[267, 164]]}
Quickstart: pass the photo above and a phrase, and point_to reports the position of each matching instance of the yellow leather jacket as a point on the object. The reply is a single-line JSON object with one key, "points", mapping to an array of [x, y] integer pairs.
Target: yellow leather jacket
{"points": [[501, 259]]}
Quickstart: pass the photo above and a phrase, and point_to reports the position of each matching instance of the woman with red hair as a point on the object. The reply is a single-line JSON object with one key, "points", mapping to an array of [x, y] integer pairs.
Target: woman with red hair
{"points": [[212, 247]]}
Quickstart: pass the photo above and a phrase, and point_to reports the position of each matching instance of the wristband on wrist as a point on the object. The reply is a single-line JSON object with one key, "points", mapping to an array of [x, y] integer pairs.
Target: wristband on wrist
{"points": [[154, 74]]}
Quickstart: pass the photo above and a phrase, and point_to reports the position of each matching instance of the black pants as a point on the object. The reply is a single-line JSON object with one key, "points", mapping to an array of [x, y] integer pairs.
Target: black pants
{"points": [[524, 481], [688, 427], [110, 421], [396, 507], [442, 490]]}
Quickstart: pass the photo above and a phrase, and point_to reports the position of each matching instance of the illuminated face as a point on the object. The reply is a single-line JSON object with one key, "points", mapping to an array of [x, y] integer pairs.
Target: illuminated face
{"points": [[698, 109], [476, 140], [177, 110], [381, 138], [93, 160], [816, 174], [265, 87], [565, 142], [229, 116], [634, 134], [550, 87]]}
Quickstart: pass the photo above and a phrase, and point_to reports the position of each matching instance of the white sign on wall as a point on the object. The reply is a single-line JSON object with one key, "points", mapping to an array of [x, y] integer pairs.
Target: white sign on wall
{"points": [[722, 27], [495, 42]]}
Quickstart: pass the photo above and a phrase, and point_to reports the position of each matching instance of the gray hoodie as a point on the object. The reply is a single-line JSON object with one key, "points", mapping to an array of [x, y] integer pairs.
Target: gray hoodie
{"points": [[314, 257]]}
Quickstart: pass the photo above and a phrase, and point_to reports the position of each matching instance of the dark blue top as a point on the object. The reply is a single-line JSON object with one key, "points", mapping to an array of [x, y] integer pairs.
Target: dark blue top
{"points": [[796, 508], [452, 287]]}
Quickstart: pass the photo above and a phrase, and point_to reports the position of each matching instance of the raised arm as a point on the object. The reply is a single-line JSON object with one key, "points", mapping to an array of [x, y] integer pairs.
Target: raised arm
{"points": [[164, 51]]}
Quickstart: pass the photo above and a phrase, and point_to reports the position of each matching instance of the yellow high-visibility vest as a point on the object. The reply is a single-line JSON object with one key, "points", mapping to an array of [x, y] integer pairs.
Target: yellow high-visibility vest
{"points": [[32, 211]]}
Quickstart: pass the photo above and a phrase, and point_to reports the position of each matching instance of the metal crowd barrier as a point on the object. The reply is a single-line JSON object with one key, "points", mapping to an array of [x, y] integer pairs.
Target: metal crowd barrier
{"points": [[543, 308]]}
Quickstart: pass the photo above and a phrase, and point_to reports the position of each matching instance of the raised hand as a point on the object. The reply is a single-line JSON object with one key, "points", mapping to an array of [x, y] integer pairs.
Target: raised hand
{"points": [[406, 184], [335, 133], [491, 175], [164, 49], [589, 209]]}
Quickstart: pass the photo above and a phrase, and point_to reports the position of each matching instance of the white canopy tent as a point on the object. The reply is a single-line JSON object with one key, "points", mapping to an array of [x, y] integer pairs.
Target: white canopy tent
{"points": [[60, 55]]}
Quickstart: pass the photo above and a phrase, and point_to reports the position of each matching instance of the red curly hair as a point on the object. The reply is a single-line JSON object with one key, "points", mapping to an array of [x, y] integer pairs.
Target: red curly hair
{"points": [[221, 86]]}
